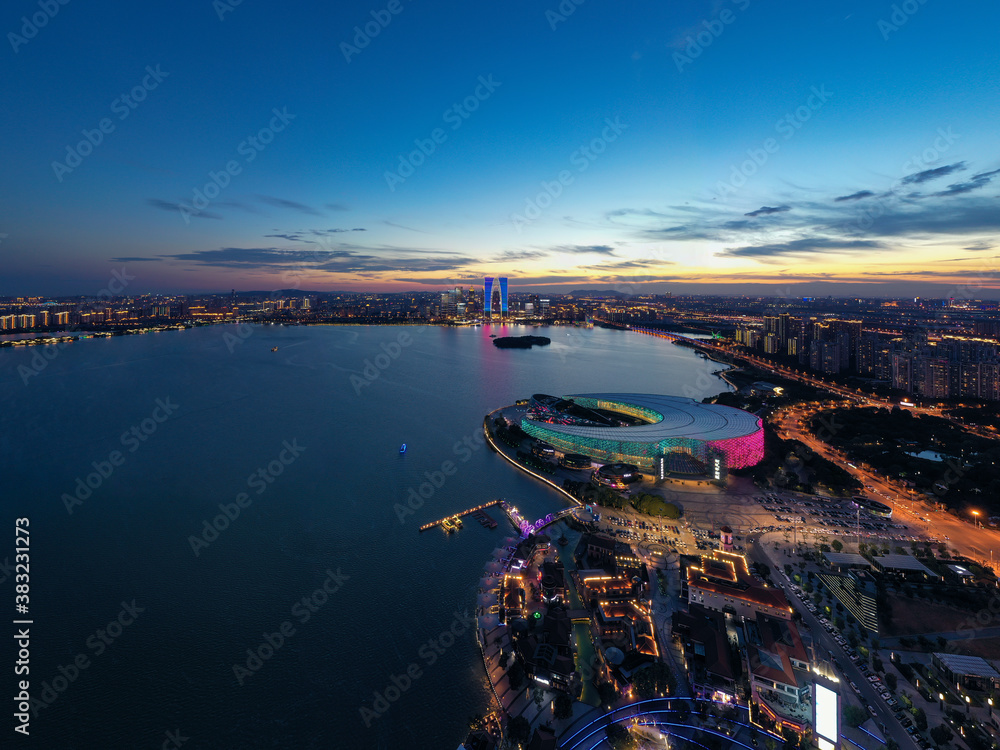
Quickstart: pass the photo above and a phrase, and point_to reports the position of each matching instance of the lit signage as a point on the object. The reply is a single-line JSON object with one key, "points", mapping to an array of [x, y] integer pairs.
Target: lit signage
{"points": [[827, 714]]}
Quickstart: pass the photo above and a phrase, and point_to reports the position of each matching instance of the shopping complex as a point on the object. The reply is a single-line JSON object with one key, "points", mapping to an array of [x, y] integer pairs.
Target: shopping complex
{"points": [[662, 435]]}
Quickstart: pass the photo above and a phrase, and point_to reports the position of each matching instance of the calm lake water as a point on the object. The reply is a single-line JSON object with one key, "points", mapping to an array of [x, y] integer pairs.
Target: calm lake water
{"points": [[210, 410]]}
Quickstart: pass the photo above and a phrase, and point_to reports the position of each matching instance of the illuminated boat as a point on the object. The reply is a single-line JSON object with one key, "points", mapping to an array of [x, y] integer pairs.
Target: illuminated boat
{"points": [[402, 448]]}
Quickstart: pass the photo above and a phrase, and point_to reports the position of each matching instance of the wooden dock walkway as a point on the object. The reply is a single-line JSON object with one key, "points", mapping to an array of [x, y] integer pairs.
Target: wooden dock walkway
{"points": [[479, 513]]}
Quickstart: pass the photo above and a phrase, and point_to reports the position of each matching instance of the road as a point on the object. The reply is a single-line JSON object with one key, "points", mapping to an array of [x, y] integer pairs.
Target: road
{"points": [[971, 539], [828, 647]]}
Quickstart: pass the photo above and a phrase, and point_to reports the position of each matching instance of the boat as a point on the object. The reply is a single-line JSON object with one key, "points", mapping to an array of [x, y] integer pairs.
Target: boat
{"points": [[402, 448], [274, 348]]}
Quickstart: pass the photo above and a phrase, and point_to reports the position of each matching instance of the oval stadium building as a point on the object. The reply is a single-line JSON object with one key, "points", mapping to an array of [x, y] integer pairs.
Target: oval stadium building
{"points": [[659, 434]]}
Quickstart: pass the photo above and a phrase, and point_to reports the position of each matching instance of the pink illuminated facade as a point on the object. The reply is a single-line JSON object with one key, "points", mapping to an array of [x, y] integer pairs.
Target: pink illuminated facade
{"points": [[741, 452]]}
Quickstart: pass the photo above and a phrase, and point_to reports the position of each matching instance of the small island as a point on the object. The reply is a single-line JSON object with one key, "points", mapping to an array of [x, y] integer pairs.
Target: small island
{"points": [[521, 342]]}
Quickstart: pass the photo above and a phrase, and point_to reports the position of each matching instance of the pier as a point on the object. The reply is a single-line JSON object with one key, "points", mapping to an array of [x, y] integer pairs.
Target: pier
{"points": [[453, 522]]}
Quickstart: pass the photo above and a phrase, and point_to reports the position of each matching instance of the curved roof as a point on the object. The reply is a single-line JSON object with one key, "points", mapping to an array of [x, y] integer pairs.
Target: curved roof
{"points": [[680, 418]]}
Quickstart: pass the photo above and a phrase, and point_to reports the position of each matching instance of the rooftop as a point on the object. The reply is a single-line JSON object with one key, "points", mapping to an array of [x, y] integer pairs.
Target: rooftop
{"points": [[970, 666], [846, 558], [676, 417], [902, 562]]}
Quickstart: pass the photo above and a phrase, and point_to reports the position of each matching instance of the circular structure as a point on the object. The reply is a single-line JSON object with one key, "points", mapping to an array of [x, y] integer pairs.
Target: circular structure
{"points": [[654, 432], [575, 461], [617, 474]]}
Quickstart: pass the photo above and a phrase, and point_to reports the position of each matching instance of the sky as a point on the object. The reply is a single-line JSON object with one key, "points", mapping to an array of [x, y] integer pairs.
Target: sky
{"points": [[716, 146]]}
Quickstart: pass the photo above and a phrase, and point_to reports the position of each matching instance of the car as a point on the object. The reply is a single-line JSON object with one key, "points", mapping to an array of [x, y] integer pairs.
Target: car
{"points": [[906, 722], [911, 730], [871, 710]]}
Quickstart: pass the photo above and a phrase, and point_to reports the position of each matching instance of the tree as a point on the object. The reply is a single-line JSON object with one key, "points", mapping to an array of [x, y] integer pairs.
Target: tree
{"points": [[837, 545], [920, 718], [515, 675], [941, 734], [855, 716], [563, 707], [619, 738], [518, 730], [890, 680], [607, 693], [653, 681]]}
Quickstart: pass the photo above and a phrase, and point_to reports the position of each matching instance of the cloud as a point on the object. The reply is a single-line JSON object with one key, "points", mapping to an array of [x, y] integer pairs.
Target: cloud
{"points": [[292, 205], [768, 210], [978, 181], [625, 265], [312, 236], [128, 259], [401, 226], [854, 196], [932, 174], [343, 260], [802, 246], [581, 249], [176, 207], [336, 207], [509, 256]]}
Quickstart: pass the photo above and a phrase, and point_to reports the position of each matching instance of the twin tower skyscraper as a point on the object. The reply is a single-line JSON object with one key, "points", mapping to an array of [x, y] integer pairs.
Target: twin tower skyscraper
{"points": [[488, 295]]}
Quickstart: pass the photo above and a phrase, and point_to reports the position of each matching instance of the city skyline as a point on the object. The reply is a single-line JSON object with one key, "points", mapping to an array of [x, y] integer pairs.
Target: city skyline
{"points": [[721, 148]]}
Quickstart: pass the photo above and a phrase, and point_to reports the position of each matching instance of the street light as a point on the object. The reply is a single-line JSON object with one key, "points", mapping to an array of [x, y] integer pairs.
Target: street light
{"points": [[968, 701], [941, 700], [976, 514]]}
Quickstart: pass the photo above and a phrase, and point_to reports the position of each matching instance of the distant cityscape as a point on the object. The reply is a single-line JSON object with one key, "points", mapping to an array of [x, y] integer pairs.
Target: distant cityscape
{"points": [[930, 348]]}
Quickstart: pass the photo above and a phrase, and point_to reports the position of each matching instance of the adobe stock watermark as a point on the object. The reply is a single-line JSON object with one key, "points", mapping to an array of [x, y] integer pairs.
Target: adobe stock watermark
{"points": [[581, 158], [122, 106], [222, 7], [876, 206], [41, 356], [563, 11], [173, 740], [705, 37], [302, 610], [416, 497], [101, 640], [249, 148], [429, 653], [132, 439], [48, 9], [786, 127], [373, 368], [455, 116], [257, 481], [363, 35], [901, 13]]}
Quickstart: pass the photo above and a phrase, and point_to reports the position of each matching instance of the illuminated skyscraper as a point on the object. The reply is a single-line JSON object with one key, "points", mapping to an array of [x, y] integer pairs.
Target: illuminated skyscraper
{"points": [[488, 296]]}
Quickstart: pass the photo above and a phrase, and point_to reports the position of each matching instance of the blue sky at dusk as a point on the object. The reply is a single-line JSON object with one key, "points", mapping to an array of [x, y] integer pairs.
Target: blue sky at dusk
{"points": [[790, 148]]}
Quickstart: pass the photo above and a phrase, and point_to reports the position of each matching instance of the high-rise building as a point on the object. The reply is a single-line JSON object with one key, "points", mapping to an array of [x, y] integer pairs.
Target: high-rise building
{"points": [[488, 296], [488, 288]]}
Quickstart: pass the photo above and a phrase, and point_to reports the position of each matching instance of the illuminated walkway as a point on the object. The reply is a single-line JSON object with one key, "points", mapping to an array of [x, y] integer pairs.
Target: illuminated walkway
{"points": [[677, 718]]}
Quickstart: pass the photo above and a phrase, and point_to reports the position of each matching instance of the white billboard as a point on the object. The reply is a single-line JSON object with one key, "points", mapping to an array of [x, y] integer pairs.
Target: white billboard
{"points": [[827, 713]]}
